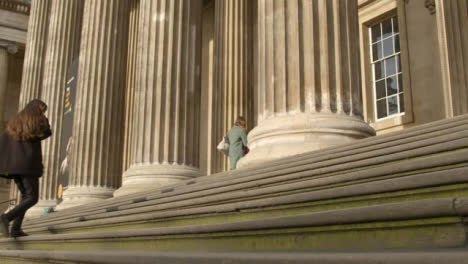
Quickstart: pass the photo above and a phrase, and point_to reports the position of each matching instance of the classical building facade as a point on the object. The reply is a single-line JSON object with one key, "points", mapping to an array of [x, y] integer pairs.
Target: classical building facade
{"points": [[160, 82]]}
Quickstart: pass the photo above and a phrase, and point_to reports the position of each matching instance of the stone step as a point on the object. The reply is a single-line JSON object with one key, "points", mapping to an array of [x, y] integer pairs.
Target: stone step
{"points": [[405, 190], [410, 187], [452, 256], [430, 223], [456, 160], [365, 167], [361, 150]]}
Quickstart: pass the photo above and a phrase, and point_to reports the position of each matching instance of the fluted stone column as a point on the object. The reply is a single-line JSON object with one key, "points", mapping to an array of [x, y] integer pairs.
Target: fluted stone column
{"points": [[34, 57], [63, 46], [233, 70], [4, 183], [132, 75], [452, 24], [165, 138], [309, 90], [96, 159], [33, 69], [3, 85]]}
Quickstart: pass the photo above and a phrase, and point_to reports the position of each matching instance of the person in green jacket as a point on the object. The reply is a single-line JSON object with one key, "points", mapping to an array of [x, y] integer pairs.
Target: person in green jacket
{"points": [[237, 141]]}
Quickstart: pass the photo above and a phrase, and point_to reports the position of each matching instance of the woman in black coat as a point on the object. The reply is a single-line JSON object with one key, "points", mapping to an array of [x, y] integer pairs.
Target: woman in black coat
{"points": [[21, 160]]}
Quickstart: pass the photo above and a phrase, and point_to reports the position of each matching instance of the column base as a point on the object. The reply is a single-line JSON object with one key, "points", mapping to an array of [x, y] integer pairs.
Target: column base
{"points": [[37, 210], [286, 136], [141, 178], [81, 195]]}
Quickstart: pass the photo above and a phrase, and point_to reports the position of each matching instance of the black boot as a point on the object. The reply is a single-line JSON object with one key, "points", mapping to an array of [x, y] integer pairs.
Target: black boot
{"points": [[17, 233]]}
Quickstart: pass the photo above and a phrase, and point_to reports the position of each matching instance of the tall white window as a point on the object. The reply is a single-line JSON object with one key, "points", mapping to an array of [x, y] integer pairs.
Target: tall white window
{"points": [[386, 68]]}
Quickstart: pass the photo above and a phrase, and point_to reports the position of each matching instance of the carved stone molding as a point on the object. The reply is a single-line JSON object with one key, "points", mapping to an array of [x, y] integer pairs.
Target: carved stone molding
{"points": [[431, 6], [12, 48]]}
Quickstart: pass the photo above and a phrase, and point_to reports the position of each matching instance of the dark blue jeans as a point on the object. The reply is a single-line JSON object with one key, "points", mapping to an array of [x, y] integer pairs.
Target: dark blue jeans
{"points": [[29, 188]]}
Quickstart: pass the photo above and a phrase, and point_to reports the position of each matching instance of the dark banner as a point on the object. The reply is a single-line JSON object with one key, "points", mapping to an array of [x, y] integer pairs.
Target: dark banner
{"points": [[67, 127]]}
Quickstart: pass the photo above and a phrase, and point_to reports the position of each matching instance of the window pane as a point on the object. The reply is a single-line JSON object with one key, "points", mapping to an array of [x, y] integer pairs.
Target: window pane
{"points": [[377, 51], [379, 70], [402, 103], [382, 108], [388, 47], [393, 105], [397, 43], [398, 60], [390, 67], [380, 89], [392, 85], [386, 28], [396, 28], [376, 34], [400, 83]]}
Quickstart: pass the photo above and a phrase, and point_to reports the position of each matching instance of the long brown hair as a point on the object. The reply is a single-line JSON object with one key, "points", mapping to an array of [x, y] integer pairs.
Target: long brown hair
{"points": [[29, 123]]}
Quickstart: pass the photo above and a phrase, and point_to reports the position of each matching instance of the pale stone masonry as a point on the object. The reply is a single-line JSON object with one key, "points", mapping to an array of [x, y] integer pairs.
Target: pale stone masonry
{"points": [[63, 47], [452, 22], [165, 139], [96, 158], [132, 75], [34, 57], [308, 79]]}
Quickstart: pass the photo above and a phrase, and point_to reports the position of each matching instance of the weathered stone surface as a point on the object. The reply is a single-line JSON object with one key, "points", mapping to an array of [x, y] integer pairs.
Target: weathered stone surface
{"points": [[165, 139], [308, 79], [63, 47], [419, 224], [344, 164], [452, 256]]}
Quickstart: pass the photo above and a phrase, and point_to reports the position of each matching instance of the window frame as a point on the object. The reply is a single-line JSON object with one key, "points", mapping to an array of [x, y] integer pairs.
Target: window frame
{"points": [[372, 13], [398, 74]]}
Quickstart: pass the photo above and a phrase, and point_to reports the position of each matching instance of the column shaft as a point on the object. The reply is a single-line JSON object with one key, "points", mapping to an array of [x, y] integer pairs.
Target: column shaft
{"points": [[63, 47], [34, 57], [132, 76], [31, 81], [309, 91], [96, 159], [165, 137], [452, 24], [3, 85], [233, 69]]}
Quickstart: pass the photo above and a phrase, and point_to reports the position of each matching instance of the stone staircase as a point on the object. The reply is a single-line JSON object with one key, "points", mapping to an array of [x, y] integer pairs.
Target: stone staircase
{"points": [[397, 198]]}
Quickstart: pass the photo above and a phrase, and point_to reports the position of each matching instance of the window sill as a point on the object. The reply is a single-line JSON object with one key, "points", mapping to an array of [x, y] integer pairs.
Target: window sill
{"points": [[391, 123]]}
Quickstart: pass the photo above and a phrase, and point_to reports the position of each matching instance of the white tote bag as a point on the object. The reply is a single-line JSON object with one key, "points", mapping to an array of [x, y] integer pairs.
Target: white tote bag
{"points": [[223, 146]]}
